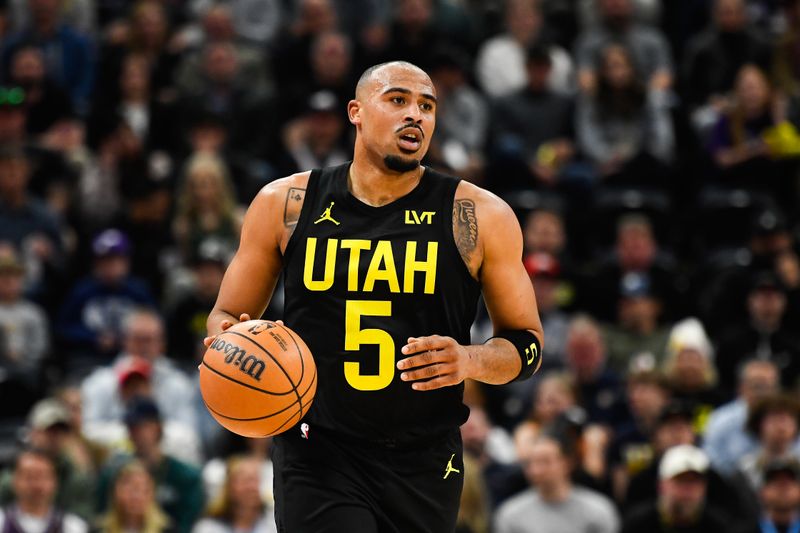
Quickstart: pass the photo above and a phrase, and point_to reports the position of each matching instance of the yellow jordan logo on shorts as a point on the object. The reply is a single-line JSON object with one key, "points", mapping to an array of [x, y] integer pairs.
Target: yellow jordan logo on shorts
{"points": [[326, 215], [450, 470]]}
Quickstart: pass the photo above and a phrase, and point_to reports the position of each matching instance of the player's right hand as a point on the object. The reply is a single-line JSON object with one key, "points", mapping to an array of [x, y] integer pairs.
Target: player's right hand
{"points": [[225, 324]]}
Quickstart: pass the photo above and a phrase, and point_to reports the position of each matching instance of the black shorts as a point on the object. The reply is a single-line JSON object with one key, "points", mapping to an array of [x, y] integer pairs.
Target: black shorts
{"points": [[329, 483]]}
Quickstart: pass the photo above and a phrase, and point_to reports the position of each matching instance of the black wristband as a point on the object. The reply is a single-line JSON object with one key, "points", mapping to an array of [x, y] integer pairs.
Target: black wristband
{"points": [[528, 347]]}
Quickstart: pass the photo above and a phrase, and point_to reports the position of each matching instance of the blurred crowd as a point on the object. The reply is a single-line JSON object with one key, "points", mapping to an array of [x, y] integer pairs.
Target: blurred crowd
{"points": [[650, 148]]}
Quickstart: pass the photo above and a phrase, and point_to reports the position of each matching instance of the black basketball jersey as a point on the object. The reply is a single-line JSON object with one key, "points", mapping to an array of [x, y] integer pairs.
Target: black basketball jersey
{"points": [[359, 281]]}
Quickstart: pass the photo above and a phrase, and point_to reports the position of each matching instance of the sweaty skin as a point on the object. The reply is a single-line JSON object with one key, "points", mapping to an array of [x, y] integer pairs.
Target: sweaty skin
{"points": [[393, 101]]}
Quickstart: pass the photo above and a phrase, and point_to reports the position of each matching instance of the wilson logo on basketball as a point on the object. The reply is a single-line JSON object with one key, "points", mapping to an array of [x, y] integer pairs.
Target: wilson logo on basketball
{"points": [[250, 365]]}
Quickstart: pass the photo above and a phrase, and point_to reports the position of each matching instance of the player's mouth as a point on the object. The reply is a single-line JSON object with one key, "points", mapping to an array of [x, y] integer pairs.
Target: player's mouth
{"points": [[410, 139]]}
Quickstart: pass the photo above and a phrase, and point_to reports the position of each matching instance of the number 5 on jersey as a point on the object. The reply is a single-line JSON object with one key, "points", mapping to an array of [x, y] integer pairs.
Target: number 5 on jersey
{"points": [[355, 337]]}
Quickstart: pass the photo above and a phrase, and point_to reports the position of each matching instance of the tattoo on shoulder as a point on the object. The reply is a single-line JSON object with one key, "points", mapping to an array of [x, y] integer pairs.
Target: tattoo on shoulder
{"points": [[291, 209], [465, 226]]}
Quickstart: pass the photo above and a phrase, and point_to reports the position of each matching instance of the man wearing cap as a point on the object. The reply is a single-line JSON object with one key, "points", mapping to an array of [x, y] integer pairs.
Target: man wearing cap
{"points": [[780, 497], [680, 506], [48, 429], [142, 357], [91, 319], [763, 335], [637, 332], [316, 139], [179, 487]]}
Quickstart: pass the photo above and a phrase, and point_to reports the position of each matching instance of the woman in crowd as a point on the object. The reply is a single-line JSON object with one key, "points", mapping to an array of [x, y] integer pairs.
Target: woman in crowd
{"points": [[133, 506], [240, 507]]}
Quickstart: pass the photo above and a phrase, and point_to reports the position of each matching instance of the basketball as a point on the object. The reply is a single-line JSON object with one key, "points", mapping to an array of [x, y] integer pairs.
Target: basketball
{"points": [[258, 378]]}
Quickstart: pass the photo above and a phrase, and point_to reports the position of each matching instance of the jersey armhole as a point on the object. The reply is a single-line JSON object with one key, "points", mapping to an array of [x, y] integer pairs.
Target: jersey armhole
{"points": [[449, 205], [302, 221]]}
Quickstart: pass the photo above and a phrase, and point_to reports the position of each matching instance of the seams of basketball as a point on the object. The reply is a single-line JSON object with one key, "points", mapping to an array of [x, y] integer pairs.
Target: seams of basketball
{"points": [[305, 393], [299, 351], [285, 373]]}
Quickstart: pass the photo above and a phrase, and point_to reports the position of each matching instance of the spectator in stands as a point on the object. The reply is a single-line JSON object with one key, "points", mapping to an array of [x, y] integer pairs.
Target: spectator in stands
{"points": [[637, 331], [179, 489], [543, 231], [225, 91], [555, 504], [207, 207], [68, 54], [675, 428], [462, 116], [143, 339], [133, 507], [492, 450], [33, 508], [624, 127], [545, 273], [316, 139], [554, 395], [780, 496], [133, 108], [689, 369], [636, 250], [680, 505], [217, 25], [92, 316], [596, 382], [741, 140], [24, 220], [727, 439], [48, 430], [631, 451], [785, 60], [187, 318], [293, 52], [775, 421], [215, 471], [651, 56], [24, 338], [88, 454], [473, 513], [501, 61], [715, 57], [45, 101], [240, 505], [764, 335], [146, 32], [531, 134]]}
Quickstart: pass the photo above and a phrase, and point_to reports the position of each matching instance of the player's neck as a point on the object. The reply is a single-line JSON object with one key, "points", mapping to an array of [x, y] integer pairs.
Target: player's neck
{"points": [[376, 186]]}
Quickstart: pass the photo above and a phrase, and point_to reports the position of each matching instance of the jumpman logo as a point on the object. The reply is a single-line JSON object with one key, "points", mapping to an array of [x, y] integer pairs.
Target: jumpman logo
{"points": [[450, 470], [326, 215]]}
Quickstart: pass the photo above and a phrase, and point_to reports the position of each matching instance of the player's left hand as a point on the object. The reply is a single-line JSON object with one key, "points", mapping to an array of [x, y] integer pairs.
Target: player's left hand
{"points": [[439, 361]]}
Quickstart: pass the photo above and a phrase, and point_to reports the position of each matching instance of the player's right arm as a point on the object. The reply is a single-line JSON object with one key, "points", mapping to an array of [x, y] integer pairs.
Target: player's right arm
{"points": [[253, 272]]}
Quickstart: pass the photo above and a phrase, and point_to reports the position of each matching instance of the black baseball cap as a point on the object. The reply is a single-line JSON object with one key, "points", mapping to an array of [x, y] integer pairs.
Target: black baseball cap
{"points": [[141, 409], [781, 466]]}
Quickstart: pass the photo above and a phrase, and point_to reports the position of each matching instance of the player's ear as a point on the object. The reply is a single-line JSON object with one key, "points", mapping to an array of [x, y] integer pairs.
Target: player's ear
{"points": [[354, 111]]}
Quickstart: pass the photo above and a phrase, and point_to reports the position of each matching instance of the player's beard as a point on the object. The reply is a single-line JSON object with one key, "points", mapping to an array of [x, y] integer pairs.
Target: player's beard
{"points": [[397, 163]]}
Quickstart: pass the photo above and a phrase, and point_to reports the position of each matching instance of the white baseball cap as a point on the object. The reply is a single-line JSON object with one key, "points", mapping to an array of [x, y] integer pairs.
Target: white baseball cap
{"points": [[681, 459]]}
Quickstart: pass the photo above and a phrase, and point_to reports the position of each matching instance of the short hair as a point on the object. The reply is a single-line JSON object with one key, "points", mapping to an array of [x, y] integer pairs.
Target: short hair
{"points": [[367, 74], [538, 55], [776, 403], [35, 452]]}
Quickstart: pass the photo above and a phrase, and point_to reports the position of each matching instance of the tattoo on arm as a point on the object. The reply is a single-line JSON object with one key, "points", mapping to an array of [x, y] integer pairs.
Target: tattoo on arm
{"points": [[291, 209], [465, 226]]}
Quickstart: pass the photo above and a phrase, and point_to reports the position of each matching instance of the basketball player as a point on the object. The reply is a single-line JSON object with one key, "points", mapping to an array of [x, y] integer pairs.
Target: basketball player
{"points": [[384, 261]]}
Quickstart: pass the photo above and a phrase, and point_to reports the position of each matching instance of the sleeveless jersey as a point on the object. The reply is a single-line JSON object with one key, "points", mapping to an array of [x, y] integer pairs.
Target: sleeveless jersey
{"points": [[360, 280]]}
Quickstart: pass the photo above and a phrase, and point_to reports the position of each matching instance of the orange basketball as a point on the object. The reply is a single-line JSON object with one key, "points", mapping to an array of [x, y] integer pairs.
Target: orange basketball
{"points": [[258, 378]]}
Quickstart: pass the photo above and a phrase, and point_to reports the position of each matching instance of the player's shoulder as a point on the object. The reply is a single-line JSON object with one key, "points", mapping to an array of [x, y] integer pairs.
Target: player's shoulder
{"points": [[486, 205], [281, 186]]}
